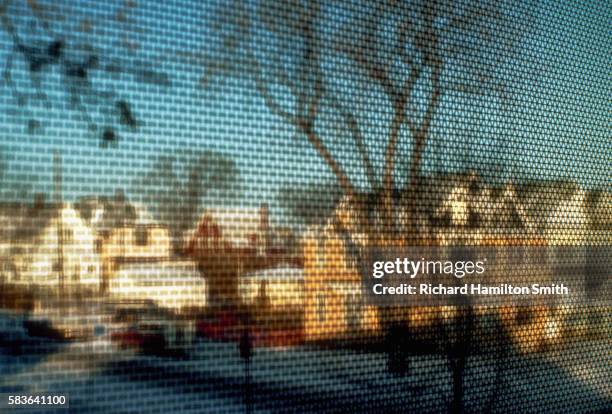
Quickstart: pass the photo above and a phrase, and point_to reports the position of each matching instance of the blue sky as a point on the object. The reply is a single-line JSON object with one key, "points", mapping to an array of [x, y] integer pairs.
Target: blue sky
{"points": [[559, 127]]}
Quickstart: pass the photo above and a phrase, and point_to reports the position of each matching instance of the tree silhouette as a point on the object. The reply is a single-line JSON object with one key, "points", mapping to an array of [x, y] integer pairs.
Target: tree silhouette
{"points": [[176, 186], [408, 55]]}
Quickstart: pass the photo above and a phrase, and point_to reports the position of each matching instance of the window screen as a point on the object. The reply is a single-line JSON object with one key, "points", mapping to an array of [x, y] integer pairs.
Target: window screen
{"points": [[305, 206]]}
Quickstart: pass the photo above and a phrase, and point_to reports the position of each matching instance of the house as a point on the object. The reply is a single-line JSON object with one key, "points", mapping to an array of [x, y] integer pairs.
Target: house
{"points": [[49, 246], [471, 210], [124, 233], [231, 228], [11, 215], [459, 210], [568, 223], [103, 213], [335, 306], [557, 211], [142, 240], [228, 242], [12, 256], [599, 211]]}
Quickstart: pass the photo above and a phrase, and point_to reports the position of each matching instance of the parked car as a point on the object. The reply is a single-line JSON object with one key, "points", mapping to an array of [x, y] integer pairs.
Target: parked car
{"points": [[69, 321], [150, 329]]}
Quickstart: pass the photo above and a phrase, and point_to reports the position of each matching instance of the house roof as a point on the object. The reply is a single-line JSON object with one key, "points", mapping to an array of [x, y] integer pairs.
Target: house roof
{"points": [[160, 270], [236, 226], [543, 198], [500, 209], [143, 217], [102, 213]]}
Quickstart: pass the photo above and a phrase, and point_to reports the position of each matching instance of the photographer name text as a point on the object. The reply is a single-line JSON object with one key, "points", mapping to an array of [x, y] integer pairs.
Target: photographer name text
{"points": [[470, 289]]}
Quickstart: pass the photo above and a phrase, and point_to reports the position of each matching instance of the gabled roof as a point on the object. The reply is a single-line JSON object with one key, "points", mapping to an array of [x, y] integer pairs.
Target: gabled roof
{"points": [[104, 214], [542, 198]]}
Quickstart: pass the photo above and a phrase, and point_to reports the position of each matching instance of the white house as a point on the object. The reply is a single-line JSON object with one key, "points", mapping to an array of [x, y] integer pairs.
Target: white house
{"points": [[53, 247]]}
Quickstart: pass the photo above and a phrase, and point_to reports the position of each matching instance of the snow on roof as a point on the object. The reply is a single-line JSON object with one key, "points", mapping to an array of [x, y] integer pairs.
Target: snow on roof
{"points": [[143, 216], [26, 224]]}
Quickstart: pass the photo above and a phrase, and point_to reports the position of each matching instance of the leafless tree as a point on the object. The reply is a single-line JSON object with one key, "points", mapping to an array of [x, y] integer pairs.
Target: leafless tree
{"points": [[401, 58], [43, 42], [412, 54]]}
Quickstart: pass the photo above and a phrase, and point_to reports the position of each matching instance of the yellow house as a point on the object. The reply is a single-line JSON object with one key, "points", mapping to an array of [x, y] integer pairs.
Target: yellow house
{"points": [[334, 305]]}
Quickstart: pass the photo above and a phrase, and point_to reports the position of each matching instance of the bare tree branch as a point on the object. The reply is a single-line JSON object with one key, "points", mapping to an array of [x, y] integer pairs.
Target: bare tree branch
{"points": [[394, 134], [307, 101], [264, 90], [308, 127], [353, 126], [101, 109], [304, 123], [421, 133]]}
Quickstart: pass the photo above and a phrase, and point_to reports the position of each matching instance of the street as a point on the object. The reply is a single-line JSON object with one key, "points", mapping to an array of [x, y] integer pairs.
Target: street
{"points": [[96, 377]]}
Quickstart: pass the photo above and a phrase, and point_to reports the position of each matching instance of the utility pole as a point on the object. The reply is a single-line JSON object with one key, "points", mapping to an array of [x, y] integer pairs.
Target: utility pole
{"points": [[57, 191]]}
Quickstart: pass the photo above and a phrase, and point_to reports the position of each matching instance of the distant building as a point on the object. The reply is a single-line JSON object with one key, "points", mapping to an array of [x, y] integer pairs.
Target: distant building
{"points": [[232, 228], [462, 208], [599, 211], [334, 302], [103, 213], [451, 210], [568, 222], [541, 200]]}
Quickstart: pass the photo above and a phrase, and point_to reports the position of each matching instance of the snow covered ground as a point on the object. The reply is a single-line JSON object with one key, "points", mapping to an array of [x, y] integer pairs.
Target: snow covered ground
{"points": [[98, 378]]}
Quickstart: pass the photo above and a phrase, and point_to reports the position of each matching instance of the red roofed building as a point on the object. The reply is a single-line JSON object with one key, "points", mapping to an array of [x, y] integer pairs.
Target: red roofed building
{"points": [[227, 242]]}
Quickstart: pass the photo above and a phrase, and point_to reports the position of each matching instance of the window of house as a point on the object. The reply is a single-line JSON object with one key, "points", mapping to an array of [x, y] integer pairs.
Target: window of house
{"points": [[98, 246], [141, 236], [321, 307], [474, 220], [67, 236]]}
